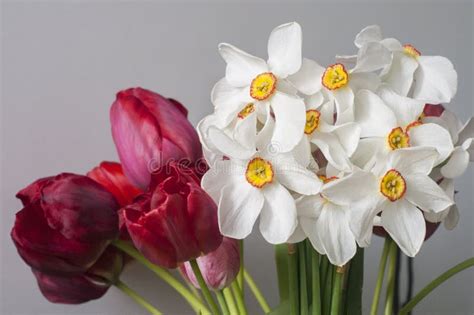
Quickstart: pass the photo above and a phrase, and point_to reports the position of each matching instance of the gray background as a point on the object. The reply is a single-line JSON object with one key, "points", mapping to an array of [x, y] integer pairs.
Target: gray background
{"points": [[62, 64]]}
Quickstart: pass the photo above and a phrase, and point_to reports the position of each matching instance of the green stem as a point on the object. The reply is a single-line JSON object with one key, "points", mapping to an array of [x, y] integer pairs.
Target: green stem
{"points": [[355, 283], [435, 283], [281, 261], [240, 276], [222, 303], [163, 274], [316, 304], [323, 268], [204, 289], [238, 297], [391, 278], [137, 298], [230, 301], [293, 279], [337, 290], [256, 292], [326, 306], [378, 285], [302, 279]]}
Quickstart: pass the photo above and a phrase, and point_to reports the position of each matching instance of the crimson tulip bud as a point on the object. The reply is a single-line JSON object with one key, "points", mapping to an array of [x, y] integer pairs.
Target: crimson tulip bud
{"points": [[219, 268], [83, 287], [175, 221], [111, 176], [66, 223], [150, 130]]}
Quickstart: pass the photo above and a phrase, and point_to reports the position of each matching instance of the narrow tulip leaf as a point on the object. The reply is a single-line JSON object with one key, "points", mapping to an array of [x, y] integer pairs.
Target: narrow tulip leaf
{"points": [[355, 281]]}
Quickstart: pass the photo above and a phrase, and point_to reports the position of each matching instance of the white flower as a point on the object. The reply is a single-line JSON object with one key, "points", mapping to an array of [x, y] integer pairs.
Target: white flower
{"points": [[430, 78], [252, 183], [390, 122], [250, 82], [339, 84], [337, 143], [462, 137], [325, 218], [404, 188]]}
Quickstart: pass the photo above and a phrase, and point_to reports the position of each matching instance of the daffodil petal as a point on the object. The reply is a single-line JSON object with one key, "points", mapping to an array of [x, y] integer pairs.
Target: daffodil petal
{"points": [[373, 116], [405, 224], [351, 188], [239, 206], [423, 192], [416, 160], [278, 218], [228, 146], [401, 73], [335, 234], [242, 67], [371, 57], [284, 49], [432, 135], [294, 176], [308, 79], [435, 80], [371, 33], [406, 110]]}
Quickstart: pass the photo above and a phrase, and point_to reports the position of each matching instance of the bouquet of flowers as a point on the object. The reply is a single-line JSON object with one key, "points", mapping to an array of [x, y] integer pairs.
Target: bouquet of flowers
{"points": [[323, 156]]}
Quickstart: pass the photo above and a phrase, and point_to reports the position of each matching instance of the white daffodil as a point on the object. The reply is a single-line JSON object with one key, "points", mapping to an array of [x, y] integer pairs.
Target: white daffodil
{"points": [[254, 85], [336, 142], [325, 218], [256, 183], [456, 164], [431, 79], [390, 122], [340, 84], [462, 137], [404, 188]]}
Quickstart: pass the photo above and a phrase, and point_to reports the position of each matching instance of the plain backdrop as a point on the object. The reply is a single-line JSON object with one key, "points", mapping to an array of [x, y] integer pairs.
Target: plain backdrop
{"points": [[63, 62]]}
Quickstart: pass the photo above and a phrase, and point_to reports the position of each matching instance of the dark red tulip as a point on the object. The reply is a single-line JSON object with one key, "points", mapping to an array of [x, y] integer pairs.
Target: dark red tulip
{"points": [[433, 110], [66, 223], [175, 221], [111, 176], [219, 268], [149, 130], [82, 287]]}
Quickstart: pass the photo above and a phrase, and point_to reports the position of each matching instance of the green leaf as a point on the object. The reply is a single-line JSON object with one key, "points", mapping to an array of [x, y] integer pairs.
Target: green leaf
{"points": [[355, 281]]}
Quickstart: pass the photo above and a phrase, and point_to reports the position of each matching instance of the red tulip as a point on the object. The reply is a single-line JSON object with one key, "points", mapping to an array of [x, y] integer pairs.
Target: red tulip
{"points": [[83, 287], [175, 221], [433, 110], [111, 176], [66, 223], [149, 130], [219, 268]]}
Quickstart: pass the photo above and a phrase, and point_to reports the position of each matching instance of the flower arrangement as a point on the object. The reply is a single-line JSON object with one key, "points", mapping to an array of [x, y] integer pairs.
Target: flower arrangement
{"points": [[323, 156]]}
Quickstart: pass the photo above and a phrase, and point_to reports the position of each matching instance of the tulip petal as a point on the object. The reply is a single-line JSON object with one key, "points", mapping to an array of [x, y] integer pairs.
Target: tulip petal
{"points": [[80, 208], [45, 249], [423, 192], [242, 67], [110, 175], [32, 192], [284, 49], [278, 218], [69, 289], [435, 80], [239, 207]]}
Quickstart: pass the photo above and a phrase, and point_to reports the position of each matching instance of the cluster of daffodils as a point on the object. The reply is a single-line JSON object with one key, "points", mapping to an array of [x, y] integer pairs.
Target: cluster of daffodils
{"points": [[329, 152]]}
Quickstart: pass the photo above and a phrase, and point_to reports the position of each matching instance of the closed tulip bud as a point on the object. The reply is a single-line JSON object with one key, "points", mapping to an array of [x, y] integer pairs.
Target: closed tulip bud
{"points": [[150, 130], [219, 268]]}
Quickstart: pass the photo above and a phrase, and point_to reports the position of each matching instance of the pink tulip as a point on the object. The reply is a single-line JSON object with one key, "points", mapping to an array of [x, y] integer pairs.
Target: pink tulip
{"points": [[149, 130], [219, 268]]}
